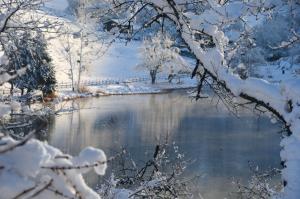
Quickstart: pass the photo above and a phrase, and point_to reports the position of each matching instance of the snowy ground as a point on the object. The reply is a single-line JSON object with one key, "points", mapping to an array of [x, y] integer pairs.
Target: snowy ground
{"points": [[127, 88], [59, 5], [280, 71]]}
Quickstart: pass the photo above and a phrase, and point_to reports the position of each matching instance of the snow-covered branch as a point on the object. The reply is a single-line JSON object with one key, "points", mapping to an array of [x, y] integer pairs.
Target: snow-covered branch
{"points": [[5, 75], [30, 168], [281, 100], [292, 41]]}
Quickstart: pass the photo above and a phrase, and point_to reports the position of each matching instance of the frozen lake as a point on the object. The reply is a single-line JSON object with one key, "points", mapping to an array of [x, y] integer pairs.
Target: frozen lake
{"points": [[221, 144]]}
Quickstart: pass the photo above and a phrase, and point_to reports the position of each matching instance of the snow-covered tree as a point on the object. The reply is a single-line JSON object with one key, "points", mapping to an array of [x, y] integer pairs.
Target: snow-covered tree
{"points": [[30, 50], [80, 49], [69, 54], [6, 75], [272, 37], [17, 17], [10, 22], [160, 55], [83, 46]]}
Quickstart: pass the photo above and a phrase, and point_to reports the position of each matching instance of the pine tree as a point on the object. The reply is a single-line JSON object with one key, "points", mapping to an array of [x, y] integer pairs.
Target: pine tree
{"points": [[30, 50]]}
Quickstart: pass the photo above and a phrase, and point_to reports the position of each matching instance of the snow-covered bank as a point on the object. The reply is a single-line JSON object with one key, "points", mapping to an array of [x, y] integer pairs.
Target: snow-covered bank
{"points": [[143, 87], [280, 71], [129, 88]]}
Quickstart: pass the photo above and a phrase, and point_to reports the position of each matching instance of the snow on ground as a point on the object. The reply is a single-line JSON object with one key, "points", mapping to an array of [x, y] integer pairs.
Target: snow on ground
{"points": [[59, 5], [143, 87], [119, 61], [57, 45], [279, 71], [127, 88]]}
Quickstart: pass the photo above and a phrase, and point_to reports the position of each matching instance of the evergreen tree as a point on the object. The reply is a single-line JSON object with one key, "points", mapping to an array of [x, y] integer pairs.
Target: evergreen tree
{"points": [[30, 50]]}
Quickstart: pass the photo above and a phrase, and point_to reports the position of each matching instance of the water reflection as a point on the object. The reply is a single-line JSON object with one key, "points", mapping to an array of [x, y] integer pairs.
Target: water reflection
{"points": [[221, 143]]}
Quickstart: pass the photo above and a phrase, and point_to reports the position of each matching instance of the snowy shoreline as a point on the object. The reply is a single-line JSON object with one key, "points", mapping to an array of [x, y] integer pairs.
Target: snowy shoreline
{"points": [[124, 89]]}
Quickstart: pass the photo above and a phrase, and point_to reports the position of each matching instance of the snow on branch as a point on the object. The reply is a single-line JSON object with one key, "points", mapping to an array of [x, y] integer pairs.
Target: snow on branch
{"points": [[286, 44], [5, 75], [9, 10], [30, 168]]}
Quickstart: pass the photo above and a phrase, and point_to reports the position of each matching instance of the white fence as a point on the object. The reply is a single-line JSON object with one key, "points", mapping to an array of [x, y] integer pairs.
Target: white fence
{"points": [[100, 82]]}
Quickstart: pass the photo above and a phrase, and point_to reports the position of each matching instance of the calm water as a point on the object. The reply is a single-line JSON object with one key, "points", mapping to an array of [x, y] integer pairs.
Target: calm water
{"points": [[221, 143]]}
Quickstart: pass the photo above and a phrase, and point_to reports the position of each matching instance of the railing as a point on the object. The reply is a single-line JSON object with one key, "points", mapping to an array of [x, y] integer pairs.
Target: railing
{"points": [[101, 82], [104, 82]]}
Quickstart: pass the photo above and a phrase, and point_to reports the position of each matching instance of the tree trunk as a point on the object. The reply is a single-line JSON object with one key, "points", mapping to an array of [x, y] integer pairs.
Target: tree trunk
{"points": [[153, 76], [71, 70], [80, 62], [11, 88]]}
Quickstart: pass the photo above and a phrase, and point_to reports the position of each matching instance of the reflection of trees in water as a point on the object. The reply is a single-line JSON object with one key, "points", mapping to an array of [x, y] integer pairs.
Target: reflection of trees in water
{"points": [[124, 120], [161, 115], [20, 125], [66, 130], [108, 122], [121, 121], [113, 128], [144, 118], [87, 127]]}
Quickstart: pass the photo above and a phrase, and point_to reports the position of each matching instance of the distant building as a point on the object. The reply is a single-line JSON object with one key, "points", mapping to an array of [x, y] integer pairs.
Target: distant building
{"points": [[110, 24]]}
